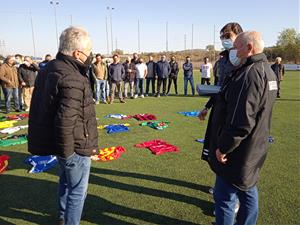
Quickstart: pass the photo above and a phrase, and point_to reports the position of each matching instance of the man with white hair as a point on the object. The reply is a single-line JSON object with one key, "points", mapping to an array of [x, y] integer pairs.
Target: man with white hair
{"points": [[278, 69], [62, 120], [240, 129]]}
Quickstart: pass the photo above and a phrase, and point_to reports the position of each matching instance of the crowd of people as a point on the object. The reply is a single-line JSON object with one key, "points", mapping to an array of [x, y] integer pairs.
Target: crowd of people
{"points": [[136, 78], [17, 77], [62, 119]]}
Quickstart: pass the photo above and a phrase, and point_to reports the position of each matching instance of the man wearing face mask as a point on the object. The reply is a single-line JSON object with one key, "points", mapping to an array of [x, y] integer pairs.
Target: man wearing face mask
{"points": [[27, 74], [240, 127], [227, 63], [62, 120]]}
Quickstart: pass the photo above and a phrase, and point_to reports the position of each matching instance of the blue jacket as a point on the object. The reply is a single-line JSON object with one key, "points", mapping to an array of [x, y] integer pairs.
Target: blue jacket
{"points": [[116, 72], [187, 69], [163, 69]]}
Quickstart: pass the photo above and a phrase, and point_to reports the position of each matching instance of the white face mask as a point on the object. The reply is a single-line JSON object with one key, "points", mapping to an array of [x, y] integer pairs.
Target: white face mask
{"points": [[227, 43], [236, 61]]}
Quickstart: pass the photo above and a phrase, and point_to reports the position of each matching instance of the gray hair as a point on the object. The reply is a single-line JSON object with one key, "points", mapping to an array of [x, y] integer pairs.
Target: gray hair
{"points": [[255, 38], [74, 38], [9, 57]]}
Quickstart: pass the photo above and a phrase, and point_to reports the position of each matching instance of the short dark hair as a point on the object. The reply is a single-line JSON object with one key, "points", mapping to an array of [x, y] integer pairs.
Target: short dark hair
{"points": [[115, 55], [48, 55], [18, 55], [232, 27], [205, 58], [97, 55], [188, 57]]}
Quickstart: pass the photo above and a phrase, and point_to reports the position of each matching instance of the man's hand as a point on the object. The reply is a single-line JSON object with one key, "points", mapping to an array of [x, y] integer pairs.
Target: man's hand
{"points": [[221, 157], [203, 114]]}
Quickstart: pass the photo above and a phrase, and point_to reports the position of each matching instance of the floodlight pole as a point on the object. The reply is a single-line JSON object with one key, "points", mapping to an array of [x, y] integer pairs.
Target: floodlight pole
{"points": [[32, 32], [55, 3]]}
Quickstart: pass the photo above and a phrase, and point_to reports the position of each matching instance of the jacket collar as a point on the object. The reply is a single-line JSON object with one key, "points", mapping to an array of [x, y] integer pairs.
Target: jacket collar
{"points": [[73, 62], [261, 57]]}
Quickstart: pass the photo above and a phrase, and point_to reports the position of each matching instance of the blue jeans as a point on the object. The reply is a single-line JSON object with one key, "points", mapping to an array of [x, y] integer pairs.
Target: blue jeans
{"points": [[73, 184], [100, 90], [139, 86], [191, 80], [11, 92], [226, 195]]}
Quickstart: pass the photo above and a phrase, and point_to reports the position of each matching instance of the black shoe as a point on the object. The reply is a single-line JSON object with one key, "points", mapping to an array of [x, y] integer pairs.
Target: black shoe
{"points": [[18, 110]]}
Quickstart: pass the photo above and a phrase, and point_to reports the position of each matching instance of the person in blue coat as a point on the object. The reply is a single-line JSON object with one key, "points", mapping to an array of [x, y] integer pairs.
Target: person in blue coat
{"points": [[163, 71]]}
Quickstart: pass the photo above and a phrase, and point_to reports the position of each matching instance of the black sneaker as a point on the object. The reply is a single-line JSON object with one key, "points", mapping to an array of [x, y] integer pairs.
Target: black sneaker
{"points": [[18, 110]]}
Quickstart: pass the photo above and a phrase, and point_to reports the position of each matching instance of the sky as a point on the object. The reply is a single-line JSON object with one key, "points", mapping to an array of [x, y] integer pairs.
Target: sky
{"points": [[206, 17]]}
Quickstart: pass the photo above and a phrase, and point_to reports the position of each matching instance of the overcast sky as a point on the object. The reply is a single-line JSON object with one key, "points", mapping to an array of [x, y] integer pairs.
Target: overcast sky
{"points": [[268, 17]]}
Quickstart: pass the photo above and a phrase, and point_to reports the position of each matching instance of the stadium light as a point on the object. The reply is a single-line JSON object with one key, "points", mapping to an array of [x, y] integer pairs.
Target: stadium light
{"points": [[55, 3]]}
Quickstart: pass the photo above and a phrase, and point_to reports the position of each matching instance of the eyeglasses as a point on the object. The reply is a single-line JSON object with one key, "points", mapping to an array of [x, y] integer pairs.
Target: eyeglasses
{"points": [[91, 54]]}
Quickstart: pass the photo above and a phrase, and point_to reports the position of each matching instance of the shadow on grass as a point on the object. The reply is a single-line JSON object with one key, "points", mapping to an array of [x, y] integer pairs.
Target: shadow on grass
{"points": [[181, 183], [34, 200]]}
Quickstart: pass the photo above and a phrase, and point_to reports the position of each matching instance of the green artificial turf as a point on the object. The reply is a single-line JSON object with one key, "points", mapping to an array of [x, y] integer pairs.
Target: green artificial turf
{"points": [[141, 188]]}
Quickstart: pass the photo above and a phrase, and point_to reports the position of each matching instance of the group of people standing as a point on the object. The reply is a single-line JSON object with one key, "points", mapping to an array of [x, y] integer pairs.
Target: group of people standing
{"points": [[129, 78], [62, 119], [17, 77]]}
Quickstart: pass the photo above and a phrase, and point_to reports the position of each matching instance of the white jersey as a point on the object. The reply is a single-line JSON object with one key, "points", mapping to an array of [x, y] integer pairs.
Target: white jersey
{"points": [[206, 68]]}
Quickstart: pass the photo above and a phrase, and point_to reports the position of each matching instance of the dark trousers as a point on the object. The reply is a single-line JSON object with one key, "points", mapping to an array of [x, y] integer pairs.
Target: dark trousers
{"points": [[278, 90], [207, 80], [216, 80], [174, 79], [152, 81], [164, 82]]}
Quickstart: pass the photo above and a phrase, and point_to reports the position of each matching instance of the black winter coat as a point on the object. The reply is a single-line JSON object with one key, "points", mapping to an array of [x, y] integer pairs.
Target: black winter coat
{"points": [[240, 122], [27, 74], [174, 69], [62, 115]]}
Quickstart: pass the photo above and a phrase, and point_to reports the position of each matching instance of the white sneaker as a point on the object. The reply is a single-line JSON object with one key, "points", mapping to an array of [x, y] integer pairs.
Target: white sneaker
{"points": [[211, 191], [136, 96], [27, 110], [97, 102], [142, 96]]}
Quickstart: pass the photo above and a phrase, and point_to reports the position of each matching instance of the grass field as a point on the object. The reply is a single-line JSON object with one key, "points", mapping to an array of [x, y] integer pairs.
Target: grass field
{"points": [[141, 188]]}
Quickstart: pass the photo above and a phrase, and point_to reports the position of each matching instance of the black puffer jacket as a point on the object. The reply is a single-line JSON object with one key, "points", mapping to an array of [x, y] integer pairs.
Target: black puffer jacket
{"points": [[27, 74], [62, 116]]}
